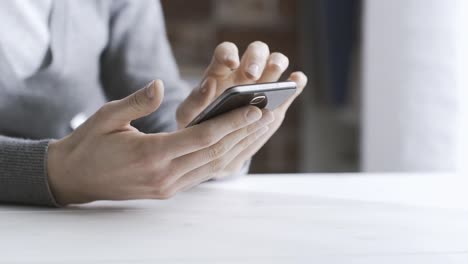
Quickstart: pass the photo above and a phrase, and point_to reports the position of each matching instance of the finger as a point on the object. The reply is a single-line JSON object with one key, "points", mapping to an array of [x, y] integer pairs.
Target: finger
{"points": [[215, 167], [252, 63], [143, 102], [208, 133], [276, 65], [237, 163], [198, 100], [301, 81], [225, 59], [196, 159], [248, 153]]}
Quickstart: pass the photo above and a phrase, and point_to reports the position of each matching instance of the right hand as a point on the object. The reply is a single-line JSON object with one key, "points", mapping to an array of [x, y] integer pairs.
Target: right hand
{"points": [[108, 159]]}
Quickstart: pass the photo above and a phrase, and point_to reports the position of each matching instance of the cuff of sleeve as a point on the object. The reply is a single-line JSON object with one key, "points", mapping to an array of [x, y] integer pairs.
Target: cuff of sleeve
{"points": [[23, 176]]}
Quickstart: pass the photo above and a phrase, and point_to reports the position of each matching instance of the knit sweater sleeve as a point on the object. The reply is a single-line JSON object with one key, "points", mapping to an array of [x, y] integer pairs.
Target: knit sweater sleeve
{"points": [[23, 172]]}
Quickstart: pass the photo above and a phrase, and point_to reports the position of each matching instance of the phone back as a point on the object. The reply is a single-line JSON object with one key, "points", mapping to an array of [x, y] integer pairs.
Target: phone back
{"points": [[260, 95]]}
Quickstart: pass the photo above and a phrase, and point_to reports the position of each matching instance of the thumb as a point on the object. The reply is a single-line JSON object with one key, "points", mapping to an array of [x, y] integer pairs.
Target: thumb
{"points": [[198, 99], [143, 102]]}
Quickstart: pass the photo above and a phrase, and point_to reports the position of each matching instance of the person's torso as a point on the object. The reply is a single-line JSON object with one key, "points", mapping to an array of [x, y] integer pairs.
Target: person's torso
{"points": [[41, 98]]}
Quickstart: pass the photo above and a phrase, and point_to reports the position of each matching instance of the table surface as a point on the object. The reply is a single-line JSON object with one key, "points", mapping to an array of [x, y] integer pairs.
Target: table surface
{"points": [[289, 218]]}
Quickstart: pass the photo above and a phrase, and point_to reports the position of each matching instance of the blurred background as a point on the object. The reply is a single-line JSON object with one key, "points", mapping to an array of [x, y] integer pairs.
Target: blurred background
{"points": [[386, 78]]}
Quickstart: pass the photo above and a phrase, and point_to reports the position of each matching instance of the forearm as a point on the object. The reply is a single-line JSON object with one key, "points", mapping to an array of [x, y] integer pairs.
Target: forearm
{"points": [[23, 172]]}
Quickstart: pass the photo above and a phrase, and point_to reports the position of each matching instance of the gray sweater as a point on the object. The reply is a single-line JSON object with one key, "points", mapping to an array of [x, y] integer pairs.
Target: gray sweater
{"points": [[100, 51]]}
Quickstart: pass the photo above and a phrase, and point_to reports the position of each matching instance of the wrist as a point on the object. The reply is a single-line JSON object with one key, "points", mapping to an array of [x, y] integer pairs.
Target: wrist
{"points": [[57, 172]]}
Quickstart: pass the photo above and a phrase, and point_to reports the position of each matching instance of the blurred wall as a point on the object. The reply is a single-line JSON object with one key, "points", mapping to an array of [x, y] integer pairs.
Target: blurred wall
{"points": [[415, 99], [407, 112]]}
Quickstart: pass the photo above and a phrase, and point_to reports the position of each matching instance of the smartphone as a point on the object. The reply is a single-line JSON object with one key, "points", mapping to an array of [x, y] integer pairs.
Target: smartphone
{"points": [[262, 95]]}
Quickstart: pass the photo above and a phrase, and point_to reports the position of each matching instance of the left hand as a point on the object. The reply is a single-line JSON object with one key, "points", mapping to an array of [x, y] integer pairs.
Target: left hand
{"points": [[257, 65]]}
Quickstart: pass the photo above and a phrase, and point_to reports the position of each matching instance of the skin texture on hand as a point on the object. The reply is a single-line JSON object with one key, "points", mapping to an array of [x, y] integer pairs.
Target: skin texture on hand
{"points": [[257, 65], [108, 159]]}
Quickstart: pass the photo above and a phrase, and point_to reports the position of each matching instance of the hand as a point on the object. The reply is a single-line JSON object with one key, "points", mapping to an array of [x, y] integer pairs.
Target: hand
{"points": [[258, 65], [108, 159]]}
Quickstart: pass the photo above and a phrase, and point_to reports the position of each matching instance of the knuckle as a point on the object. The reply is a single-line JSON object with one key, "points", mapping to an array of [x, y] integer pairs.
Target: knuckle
{"points": [[135, 103], [207, 137], [238, 122], [248, 141], [163, 185], [250, 129], [183, 114], [279, 117], [217, 150], [180, 112], [164, 194], [161, 182], [240, 119], [215, 166], [105, 110]]}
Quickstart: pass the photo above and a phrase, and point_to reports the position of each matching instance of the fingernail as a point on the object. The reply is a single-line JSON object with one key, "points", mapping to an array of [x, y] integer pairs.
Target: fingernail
{"points": [[253, 70], [149, 90], [279, 63], [231, 58], [253, 116]]}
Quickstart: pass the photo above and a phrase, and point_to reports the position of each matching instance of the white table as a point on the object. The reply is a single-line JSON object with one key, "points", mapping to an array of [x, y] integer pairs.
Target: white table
{"points": [[317, 218]]}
